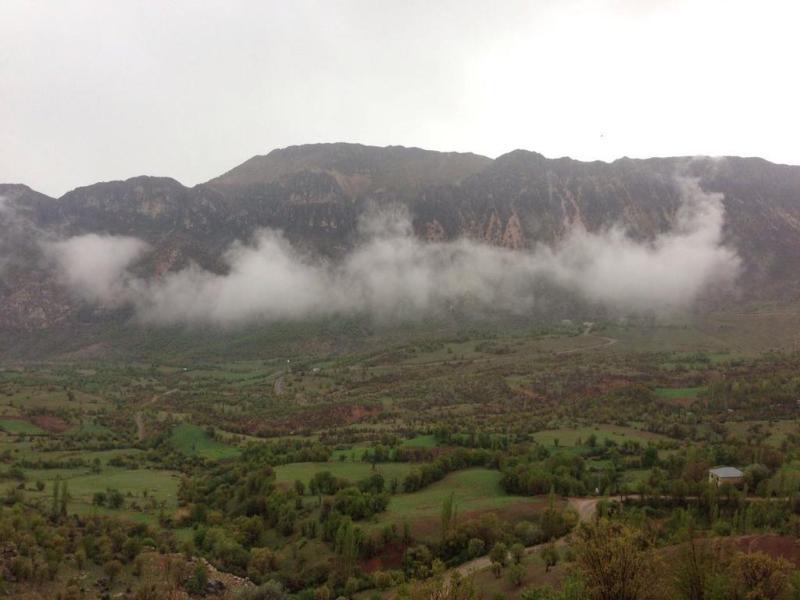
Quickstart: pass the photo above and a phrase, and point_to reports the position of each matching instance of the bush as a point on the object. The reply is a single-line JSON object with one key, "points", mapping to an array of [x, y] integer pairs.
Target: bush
{"points": [[271, 590]]}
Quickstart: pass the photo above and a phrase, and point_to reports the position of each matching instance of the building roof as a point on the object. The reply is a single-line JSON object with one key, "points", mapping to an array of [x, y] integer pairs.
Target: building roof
{"points": [[725, 472]]}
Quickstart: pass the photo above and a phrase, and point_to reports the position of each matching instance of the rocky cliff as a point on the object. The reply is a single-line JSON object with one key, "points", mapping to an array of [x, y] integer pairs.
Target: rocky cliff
{"points": [[316, 193]]}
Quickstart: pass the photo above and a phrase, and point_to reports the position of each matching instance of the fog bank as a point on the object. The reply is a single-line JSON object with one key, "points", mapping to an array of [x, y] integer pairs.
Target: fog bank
{"points": [[393, 274]]}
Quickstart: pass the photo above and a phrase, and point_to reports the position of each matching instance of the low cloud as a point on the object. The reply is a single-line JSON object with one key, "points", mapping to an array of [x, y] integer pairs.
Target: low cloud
{"points": [[391, 273], [666, 273], [95, 266]]}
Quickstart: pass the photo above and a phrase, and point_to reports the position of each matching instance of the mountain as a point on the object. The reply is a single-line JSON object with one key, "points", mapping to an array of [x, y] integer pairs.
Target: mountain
{"points": [[316, 193], [357, 169]]}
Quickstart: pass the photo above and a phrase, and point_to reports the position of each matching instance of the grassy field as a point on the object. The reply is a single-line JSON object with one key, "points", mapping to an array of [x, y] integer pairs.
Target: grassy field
{"points": [[351, 471], [475, 490], [423, 441], [774, 432], [89, 428], [19, 427], [136, 485], [351, 454], [688, 392], [194, 441], [572, 437]]}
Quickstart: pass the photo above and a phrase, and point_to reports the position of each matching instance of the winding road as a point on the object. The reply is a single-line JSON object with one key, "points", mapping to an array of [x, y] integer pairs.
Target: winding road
{"points": [[586, 509]]}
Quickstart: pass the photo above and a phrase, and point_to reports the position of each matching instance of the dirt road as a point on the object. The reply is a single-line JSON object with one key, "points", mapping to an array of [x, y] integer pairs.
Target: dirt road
{"points": [[607, 341], [586, 509]]}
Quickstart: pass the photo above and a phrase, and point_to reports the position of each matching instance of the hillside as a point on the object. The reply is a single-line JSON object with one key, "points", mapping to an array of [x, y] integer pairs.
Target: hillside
{"points": [[316, 194]]}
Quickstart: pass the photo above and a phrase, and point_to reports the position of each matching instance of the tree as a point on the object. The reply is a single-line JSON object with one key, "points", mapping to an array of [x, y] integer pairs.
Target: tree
{"points": [[322, 593], [613, 565], [499, 553], [56, 504], [115, 499], [406, 533], [757, 576], [436, 588], [499, 556], [447, 515], [271, 590], [112, 569], [199, 580], [262, 561], [346, 546], [516, 573], [62, 509], [550, 556], [695, 570], [475, 547], [572, 588], [517, 552]]}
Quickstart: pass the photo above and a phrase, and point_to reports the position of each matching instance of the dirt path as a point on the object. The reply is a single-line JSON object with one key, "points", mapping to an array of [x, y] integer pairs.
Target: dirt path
{"points": [[607, 341], [278, 386], [138, 418], [586, 509], [140, 431]]}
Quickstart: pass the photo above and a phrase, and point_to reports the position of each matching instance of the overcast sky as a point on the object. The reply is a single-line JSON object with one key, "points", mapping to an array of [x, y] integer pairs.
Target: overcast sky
{"points": [[99, 90]]}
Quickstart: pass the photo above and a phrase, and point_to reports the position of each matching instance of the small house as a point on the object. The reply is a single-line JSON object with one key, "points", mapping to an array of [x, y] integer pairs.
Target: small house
{"points": [[720, 475]]}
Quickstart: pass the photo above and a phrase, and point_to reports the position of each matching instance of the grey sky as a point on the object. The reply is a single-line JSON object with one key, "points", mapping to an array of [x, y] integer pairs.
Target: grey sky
{"points": [[98, 90]]}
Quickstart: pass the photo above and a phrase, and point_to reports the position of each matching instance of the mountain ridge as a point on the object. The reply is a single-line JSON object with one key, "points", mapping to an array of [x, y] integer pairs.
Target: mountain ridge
{"points": [[316, 194]]}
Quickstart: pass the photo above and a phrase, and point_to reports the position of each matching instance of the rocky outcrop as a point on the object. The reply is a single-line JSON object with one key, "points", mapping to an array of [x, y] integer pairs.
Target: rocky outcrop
{"points": [[316, 194]]}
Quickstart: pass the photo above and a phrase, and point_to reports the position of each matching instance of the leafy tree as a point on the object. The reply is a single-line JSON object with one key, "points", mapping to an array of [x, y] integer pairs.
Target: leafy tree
{"points": [[695, 570], [115, 499], [550, 556], [613, 563], [475, 547], [447, 515], [757, 576], [499, 553], [346, 545], [56, 502], [112, 569], [62, 509], [271, 590], [516, 574]]}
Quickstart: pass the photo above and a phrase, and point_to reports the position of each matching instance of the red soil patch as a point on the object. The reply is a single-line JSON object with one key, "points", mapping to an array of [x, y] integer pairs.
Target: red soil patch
{"points": [[50, 423], [430, 527], [683, 401], [772, 544], [309, 420], [390, 557]]}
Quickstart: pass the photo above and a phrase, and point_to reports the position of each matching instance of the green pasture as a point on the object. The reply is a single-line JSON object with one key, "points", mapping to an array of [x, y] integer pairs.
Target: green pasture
{"points": [[473, 490], [351, 471], [421, 441], [136, 485], [570, 437], [348, 453], [19, 427], [685, 392], [194, 441], [773, 432]]}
